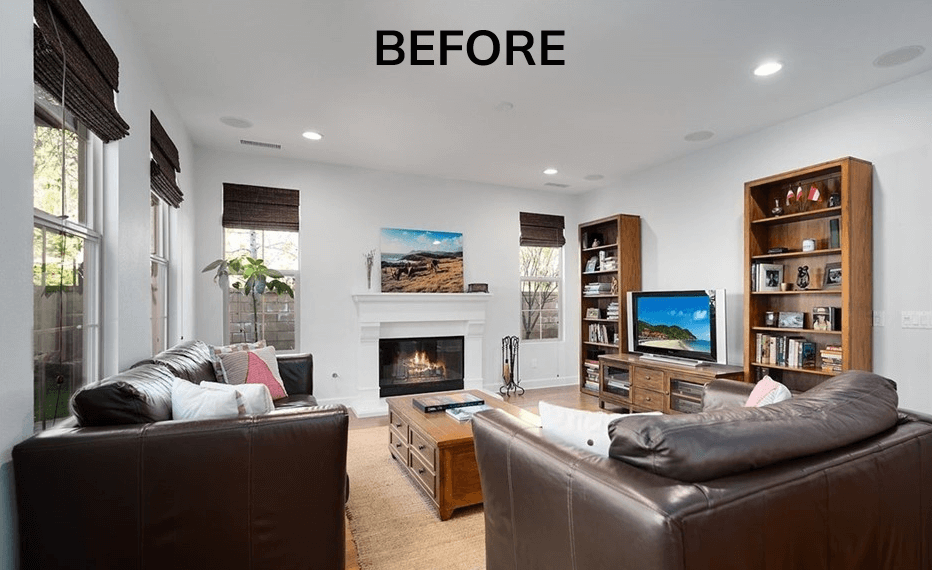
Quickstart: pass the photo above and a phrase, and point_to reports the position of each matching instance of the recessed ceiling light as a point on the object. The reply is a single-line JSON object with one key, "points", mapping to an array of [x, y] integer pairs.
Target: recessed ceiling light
{"points": [[768, 68], [504, 106], [311, 135], [899, 56], [236, 122], [550, 171], [699, 136]]}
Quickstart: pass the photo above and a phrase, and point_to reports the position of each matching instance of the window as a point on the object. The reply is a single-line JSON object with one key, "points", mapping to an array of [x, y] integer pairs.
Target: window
{"points": [[276, 314], [541, 274], [158, 260], [65, 260], [540, 292]]}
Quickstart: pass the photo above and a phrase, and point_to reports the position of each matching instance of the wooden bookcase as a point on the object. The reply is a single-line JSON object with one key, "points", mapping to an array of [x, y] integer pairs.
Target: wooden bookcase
{"points": [[619, 238], [850, 181]]}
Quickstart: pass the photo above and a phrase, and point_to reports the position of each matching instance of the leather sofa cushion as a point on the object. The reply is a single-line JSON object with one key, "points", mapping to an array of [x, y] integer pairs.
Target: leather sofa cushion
{"points": [[140, 395], [295, 401], [699, 447], [191, 360]]}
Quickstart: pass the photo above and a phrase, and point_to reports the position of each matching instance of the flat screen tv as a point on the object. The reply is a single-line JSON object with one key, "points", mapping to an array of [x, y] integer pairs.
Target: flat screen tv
{"points": [[684, 326]]}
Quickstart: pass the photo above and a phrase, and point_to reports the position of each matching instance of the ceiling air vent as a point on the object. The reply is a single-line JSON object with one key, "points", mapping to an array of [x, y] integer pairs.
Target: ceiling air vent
{"points": [[260, 144], [555, 185]]}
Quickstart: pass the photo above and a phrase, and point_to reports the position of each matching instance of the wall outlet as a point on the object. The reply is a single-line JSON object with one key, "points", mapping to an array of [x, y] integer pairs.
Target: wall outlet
{"points": [[878, 318]]}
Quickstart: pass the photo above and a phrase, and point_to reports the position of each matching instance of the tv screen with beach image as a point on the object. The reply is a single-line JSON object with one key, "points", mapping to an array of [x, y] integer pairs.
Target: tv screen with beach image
{"points": [[675, 323]]}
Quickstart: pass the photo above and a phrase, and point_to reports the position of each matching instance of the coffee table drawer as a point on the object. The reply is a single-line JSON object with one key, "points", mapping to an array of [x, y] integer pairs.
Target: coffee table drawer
{"points": [[425, 448], [423, 474], [398, 422], [398, 446]]}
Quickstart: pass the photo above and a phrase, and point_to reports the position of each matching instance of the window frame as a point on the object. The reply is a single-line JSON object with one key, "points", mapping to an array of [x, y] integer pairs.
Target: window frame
{"points": [[90, 153], [294, 274], [558, 280], [158, 256]]}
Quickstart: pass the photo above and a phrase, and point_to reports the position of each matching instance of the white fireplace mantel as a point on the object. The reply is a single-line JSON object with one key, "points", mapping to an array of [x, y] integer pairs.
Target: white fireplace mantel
{"points": [[403, 315]]}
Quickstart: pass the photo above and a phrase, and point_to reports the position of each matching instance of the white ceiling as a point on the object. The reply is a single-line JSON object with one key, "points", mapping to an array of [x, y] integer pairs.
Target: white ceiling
{"points": [[639, 75]]}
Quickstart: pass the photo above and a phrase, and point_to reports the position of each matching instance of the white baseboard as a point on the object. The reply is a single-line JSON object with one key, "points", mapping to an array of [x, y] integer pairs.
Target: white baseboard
{"points": [[538, 383]]}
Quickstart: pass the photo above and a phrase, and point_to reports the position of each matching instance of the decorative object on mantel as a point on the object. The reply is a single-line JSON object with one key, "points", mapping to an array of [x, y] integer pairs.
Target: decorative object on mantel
{"points": [[477, 288], [370, 259], [421, 261], [510, 379], [254, 278]]}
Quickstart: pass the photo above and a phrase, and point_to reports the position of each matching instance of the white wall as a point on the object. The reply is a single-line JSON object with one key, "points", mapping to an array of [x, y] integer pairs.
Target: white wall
{"points": [[342, 212], [692, 212], [16, 109], [126, 298]]}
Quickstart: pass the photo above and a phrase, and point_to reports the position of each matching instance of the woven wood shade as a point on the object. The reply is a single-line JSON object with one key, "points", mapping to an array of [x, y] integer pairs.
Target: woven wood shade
{"points": [[260, 207], [164, 164], [542, 230], [66, 35]]}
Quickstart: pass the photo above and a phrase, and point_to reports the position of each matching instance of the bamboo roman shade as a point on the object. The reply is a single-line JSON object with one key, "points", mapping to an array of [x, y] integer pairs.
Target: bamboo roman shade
{"points": [[164, 164], [260, 207], [67, 46], [542, 230]]}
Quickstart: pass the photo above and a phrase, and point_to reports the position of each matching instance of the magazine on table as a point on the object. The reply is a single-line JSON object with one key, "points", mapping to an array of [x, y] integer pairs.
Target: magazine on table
{"points": [[465, 414]]}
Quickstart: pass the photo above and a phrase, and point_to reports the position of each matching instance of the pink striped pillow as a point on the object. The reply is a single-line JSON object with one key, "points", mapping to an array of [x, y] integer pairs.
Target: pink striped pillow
{"points": [[767, 391], [260, 373]]}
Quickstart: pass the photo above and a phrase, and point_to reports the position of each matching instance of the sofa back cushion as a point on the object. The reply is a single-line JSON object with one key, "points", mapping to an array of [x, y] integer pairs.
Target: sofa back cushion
{"points": [[699, 447], [142, 394], [191, 360]]}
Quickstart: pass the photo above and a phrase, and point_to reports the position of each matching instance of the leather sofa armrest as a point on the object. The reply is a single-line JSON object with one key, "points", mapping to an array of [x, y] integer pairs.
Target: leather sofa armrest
{"points": [[723, 393], [213, 493], [297, 372]]}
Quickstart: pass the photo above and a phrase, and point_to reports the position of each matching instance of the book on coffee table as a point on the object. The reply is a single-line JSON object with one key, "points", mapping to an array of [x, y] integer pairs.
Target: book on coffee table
{"points": [[466, 414], [447, 401]]}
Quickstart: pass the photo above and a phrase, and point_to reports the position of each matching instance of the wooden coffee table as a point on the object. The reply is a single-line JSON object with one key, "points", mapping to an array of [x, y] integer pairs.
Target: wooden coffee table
{"points": [[438, 451]]}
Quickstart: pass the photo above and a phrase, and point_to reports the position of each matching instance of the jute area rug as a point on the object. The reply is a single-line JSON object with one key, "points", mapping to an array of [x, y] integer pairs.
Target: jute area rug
{"points": [[394, 525]]}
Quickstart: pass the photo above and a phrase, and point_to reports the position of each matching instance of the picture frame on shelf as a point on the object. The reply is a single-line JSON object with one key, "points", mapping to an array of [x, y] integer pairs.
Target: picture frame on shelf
{"points": [[790, 320], [826, 318], [593, 264], [592, 313], [770, 319], [832, 277], [770, 275]]}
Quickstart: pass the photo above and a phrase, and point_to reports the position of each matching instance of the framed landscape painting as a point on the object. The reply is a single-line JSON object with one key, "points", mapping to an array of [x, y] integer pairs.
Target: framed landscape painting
{"points": [[421, 261]]}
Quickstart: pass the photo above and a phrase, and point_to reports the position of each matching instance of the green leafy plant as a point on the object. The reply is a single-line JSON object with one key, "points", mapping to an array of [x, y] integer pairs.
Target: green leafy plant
{"points": [[252, 278]]}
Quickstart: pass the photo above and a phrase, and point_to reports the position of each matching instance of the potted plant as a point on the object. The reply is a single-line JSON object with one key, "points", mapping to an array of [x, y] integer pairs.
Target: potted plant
{"points": [[254, 279]]}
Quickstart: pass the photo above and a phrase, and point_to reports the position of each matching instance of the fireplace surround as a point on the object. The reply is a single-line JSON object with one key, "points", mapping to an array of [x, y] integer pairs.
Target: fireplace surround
{"points": [[409, 315]]}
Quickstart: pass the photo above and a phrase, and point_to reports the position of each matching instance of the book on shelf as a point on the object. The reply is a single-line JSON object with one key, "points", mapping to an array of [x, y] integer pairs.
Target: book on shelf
{"points": [[597, 288], [781, 350], [832, 358], [447, 401], [465, 414], [599, 334]]}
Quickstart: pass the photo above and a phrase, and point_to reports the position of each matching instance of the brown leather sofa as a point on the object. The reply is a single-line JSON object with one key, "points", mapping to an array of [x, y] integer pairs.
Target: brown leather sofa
{"points": [[835, 478], [125, 487]]}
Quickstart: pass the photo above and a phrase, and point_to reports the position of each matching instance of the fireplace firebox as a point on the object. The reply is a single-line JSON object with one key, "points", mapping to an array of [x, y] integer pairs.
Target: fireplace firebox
{"points": [[416, 365]]}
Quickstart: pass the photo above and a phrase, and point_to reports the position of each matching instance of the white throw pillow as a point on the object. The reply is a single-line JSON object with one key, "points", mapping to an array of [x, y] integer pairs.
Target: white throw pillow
{"points": [[256, 397], [191, 402], [579, 428]]}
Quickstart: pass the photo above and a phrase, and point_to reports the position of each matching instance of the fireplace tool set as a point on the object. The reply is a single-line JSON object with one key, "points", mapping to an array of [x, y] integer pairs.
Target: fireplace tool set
{"points": [[510, 380]]}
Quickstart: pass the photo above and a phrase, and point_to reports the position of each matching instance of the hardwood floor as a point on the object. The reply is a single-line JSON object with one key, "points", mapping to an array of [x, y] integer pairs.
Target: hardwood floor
{"points": [[567, 396]]}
